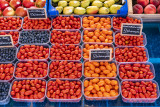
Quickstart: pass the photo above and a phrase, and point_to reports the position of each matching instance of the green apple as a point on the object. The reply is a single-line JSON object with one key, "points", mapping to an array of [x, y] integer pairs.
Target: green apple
{"points": [[62, 3], [116, 1], [113, 9], [79, 10], [74, 3], [103, 10], [92, 9], [97, 3], [85, 3], [68, 10], [109, 3], [60, 9]]}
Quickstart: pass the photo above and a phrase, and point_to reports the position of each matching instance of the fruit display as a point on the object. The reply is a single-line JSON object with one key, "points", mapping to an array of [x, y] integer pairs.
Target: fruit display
{"points": [[81, 7], [19, 7], [4, 92], [100, 69], [8, 54], [88, 46], [15, 35], [98, 36], [36, 23], [117, 21], [34, 36], [65, 52], [64, 89], [101, 89], [146, 7], [130, 40], [65, 37], [33, 52], [136, 71], [10, 23], [66, 22], [6, 71], [93, 22], [131, 54], [139, 91], [31, 69], [30, 89], [65, 69]]}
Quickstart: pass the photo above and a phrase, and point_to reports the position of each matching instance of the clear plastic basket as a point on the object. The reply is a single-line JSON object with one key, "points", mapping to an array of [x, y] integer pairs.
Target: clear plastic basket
{"points": [[111, 45], [7, 99], [101, 16], [44, 45], [140, 100], [93, 31], [14, 17], [64, 100], [24, 31], [67, 61], [115, 29], [147, 55], [144, 40], [67, 45], [69, 30], [98, 77], [101, 98], [27, 100], [146, 63], [24, 61], [77, 16]]}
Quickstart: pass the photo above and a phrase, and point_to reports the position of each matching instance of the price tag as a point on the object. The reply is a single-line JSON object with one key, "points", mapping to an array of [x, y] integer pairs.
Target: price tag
{"points": [[37, 13], [6, 41], [128, 29], [100, 54]]}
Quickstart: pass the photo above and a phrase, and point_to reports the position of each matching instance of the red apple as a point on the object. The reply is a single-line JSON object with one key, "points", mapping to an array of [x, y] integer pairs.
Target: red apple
{"points": [[15, 3], [28, 3], [0, 12], [21, 11], [3, 4], [40, 3], [8, 11]]}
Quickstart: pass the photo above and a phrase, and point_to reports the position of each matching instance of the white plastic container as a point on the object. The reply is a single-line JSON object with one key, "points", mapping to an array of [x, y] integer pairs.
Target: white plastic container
{"points": [[144, 40], [44, 45], [146, 63], [69, 30], [102, 98], [24, 61], [111, 45], [27, 100], [101, 71], [140, 100], [67, 61], [64, 100]]}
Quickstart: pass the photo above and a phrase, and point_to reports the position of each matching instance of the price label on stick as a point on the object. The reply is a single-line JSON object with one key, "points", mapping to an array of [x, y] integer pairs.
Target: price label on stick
{"points": [[6, 41], [37, 13], [128, 29], [100, 54]]}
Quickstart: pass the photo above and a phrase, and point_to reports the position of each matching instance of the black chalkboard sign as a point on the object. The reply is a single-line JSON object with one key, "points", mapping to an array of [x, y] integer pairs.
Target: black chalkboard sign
{"points": [[37, 13], [6, 41], [129, 29], [100, 54]]}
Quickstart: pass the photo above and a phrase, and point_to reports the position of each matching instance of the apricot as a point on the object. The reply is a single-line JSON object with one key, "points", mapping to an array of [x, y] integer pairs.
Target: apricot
{"points": [[150, 9], [137, 9], [155, 2], [144, 3]]}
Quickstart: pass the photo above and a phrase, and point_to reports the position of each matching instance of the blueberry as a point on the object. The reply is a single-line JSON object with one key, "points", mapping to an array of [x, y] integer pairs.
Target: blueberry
{"points": [[4, 89], [34, 37], [7, 54]]}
